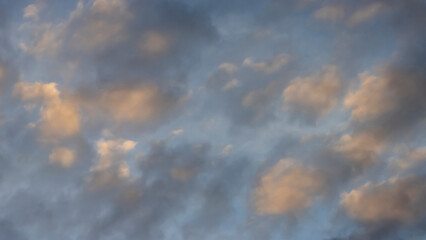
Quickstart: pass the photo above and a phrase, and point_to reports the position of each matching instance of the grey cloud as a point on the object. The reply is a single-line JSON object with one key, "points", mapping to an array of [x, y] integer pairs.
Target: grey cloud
{"points": [[125, 208], [251, 102], [185, 30]]}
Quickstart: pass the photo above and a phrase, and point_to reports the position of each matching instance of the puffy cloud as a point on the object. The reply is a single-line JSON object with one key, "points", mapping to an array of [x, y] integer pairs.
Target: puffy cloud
{"points": [[111, 151], [62, 157], [269, 66], [287, 188], [47, 38], [372, 99], [315, 95], [146, 104], [59, 118], [365, 13], [111, 167], [37, 91], [400, 199], [362, 148], [331, 13]]}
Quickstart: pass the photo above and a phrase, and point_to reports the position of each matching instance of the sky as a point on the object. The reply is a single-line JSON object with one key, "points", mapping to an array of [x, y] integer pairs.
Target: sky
{"points": [[212, 119]]}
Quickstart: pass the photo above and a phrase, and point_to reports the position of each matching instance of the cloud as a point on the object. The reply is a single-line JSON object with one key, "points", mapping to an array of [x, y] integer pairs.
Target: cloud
{"points": [[104, 24], [1, 73], [315, 95], [181, 174], [331, 13], [259, 101], [248, 101], [410, 158], [110, 169], [62, 157], [231, 84], [37, 91], [228, 67], [398, 199], [221, 78], [177, 131], [227, 149], [154, 43], [59, 118], [123, 64], [269, 66], [361, 148], [145, 104], [171, 178], [96, 30], [287, 188], [111, 151], [365, 13], [372, 99], [31, 11], [9, 231]]}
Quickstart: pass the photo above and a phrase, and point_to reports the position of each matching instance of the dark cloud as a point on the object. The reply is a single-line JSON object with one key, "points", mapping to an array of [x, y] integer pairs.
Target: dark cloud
{"points": [[247, 100], [137, 41]]}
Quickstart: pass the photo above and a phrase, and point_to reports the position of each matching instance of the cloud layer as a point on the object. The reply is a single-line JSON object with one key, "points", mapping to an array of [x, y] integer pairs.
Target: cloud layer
{"points": [[184, 119]]}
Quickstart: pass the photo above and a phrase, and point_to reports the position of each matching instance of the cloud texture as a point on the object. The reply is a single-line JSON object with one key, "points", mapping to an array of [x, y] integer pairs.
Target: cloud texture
{"points": [[183, 119]]}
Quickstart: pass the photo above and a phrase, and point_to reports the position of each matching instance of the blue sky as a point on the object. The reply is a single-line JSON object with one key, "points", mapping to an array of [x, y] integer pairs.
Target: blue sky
{"points": [[275, 119]]}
